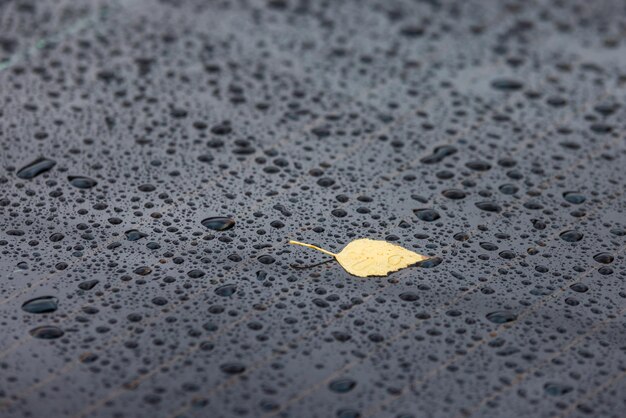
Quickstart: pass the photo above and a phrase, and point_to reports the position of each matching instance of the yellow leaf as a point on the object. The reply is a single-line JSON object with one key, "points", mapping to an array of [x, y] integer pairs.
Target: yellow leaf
{"points": [[367, 257]]}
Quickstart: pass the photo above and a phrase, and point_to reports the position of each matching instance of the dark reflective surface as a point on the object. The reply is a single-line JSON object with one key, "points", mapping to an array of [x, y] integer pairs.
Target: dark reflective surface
{"points": [[158, 155]]}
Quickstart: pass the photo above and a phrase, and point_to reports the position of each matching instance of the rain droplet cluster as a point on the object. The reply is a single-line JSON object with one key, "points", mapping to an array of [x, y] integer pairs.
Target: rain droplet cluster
{"points": [[157, 156]]}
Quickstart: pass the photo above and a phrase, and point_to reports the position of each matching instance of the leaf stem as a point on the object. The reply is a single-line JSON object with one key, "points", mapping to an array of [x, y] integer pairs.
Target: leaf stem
{"points": [[312, 246]]}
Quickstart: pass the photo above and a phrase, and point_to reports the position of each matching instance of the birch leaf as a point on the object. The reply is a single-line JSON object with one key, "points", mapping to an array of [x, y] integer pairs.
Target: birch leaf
{"points": [[367, 257]]}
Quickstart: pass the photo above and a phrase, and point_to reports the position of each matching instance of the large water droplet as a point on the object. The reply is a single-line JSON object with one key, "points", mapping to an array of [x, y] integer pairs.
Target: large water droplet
{"points": [[37, 167], [218, 223], [571, 236], [604, 258], [44, 304], [47, 332]]}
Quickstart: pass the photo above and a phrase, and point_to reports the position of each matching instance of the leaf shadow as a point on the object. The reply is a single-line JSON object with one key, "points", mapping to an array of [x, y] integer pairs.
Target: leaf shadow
{"points": [[306, 267]]}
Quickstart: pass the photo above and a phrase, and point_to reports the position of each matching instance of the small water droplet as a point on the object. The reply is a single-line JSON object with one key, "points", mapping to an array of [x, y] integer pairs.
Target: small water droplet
{"points": [[454, 194], [439, 154], [342, 385], [501, 317], [557, 389], [134, 235], [574, 197], [88, 284], [426, 214], [579, 287], [604, 258], [226, 290], [506, 84], [82, 182], [232, 368], [430, 262]]}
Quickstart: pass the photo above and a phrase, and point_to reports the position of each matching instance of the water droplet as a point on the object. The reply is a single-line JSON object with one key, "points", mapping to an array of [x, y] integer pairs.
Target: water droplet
{"points": [[82, 182], [348, 413], [37, 167], [604, 258], [501, 317], [146, 188], [488, 206], [574, 197], [47, 332], [507, 255], [439, 154], [557, 389], [488, 246], [326, 182], [40, 305], [134, 235], [342, 385], [571, 236], [579, 287], [430, 262], [506, 84], [232, 368], [454, 194], [508, 189], [461, 236], [218, 223], [195, 273], [56, 237], [226, 290], [409, 296], [425, 214], [266, 259], [478, 165]]}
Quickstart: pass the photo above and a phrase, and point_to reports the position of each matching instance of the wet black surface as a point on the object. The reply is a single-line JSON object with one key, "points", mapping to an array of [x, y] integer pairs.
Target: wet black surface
{"points": [[158, 155]]}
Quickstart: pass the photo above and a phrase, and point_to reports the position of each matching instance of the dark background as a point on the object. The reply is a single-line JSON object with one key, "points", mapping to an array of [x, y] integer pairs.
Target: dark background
{"points": [[321, 121]]}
